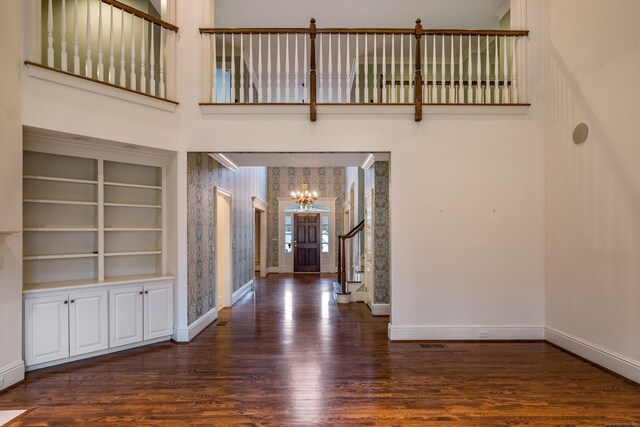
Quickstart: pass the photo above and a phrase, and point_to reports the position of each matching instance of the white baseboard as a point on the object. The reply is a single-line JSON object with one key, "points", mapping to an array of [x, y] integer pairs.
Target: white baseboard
{"points": [[599, 355], [273, 270], [380, 309], [186, 335], [12, 374], [464, 332], [235, 297], [97, 353]]}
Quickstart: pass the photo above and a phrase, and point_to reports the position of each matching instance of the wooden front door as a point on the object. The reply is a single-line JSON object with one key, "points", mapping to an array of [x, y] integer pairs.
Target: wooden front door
{"points": [[306, 252]]}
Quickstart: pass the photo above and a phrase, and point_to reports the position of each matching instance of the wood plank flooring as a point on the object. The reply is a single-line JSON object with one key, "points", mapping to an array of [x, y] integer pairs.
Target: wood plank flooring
{"points": [[288, 355]]}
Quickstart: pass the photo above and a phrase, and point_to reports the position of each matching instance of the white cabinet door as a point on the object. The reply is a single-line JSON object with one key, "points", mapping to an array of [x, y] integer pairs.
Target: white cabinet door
{"points": [[125, 316], [88, 322], [158, 310], [46, 323]]}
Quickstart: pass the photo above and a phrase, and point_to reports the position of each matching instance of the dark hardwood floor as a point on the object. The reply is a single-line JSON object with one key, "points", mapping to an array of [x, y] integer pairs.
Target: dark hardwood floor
{"points": [[288, 355]]}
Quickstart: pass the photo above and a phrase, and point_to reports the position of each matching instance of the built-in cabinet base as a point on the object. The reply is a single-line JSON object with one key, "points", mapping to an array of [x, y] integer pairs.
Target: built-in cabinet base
{"points": [[66, 324]]}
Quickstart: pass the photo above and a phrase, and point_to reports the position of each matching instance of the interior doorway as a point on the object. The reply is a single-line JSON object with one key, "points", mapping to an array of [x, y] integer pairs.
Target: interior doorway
{"points": [[306, 243], [260, 237], [224, 238]]}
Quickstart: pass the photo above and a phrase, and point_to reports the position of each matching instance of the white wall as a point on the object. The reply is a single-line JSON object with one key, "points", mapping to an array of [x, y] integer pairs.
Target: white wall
{"points": [[11, 365], [593, 190], [454, 272]]}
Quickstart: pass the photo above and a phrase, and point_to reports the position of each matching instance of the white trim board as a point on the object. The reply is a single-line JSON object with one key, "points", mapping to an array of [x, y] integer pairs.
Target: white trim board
{"points": [[6, 416], [599, 355], [66, 360], [200, 324], [380, 309], [12, 374], [464, 332], [106, 90], [237, 295]]}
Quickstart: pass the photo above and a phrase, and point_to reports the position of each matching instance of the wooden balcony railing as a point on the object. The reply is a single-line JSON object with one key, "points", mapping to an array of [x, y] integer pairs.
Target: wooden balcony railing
{"points": [[109, 42], [364, 66]]}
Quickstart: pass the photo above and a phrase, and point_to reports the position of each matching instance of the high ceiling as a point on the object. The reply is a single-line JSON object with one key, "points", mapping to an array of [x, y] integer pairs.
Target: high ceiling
{"points": [[469, 14]]}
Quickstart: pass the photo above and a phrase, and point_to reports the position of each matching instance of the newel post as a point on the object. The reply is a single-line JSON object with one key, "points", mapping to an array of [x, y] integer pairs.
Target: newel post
{"points": [[312, 74], [418, 85]]}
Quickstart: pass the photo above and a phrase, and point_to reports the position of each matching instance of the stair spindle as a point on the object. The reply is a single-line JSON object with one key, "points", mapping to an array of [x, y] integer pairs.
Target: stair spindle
{"points": [[143, 59], [434, 87], [76, 44], [376, 97], [383, 72], [321, 69], [63, 41], [251, 72], [357, 69], [443, 70], [278, 72], [496, 88], [123, 72], [214, 67], [330, 70], [366, 68], [88, 62], [223, 62], [112, 69], [487, 89], [480, 97], [505, 86], [259, 68], [401, 69], [514, 71], [241, 65], [460, 74], [161, 59], [100, 69], [452, 67], [339, 71], [232, 77], [269, 94], [50, 52], [296, 81], [410, 89], [305, 72], [393, 97], [469, 75], [287, 81], [152, 63]]}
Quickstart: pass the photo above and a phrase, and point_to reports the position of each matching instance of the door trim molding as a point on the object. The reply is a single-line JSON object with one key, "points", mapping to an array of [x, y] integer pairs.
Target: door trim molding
{"points": [[228, 289], [262, 206]]}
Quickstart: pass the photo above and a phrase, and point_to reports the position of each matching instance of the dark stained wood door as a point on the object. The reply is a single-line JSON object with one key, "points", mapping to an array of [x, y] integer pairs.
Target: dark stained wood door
{"points": [[306, 252]]}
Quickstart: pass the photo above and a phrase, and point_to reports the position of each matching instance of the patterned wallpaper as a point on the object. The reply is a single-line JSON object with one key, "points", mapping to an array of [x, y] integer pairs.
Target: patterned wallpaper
{"points": [[327, 181], [377, 177], [203, 174]]}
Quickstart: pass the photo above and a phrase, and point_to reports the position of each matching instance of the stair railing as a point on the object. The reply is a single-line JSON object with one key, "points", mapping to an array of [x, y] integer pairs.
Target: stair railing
{"points": [[342, 268]]}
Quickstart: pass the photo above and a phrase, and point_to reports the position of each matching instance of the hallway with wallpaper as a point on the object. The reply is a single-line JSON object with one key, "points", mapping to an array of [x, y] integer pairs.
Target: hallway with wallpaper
{"points": [[287, 354]]}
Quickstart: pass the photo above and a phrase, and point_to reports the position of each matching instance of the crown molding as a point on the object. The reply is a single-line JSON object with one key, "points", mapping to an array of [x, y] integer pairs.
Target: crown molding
{"points": [[224, 161]]}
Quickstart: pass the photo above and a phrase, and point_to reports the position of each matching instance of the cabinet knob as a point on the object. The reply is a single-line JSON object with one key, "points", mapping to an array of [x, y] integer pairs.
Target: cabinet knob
{"points": [[66, 302], [72, 301], [146, 292], [140, 292]]}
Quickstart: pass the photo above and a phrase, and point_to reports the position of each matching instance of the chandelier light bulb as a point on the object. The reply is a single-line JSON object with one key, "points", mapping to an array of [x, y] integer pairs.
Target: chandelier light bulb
{"points": [[304, 198]]}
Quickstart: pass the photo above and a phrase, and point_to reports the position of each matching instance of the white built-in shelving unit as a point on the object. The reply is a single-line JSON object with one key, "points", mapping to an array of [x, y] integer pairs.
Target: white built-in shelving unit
{"points": [[90, 220], [94, 260]]}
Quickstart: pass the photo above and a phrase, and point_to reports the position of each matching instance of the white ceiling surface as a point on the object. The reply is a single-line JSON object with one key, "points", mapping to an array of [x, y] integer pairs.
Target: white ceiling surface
{"points": [[297, 159], [459, 14]]}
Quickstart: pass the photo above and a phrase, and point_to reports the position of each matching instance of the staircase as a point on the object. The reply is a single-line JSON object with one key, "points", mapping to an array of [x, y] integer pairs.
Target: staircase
{"points": [[348, 290]]}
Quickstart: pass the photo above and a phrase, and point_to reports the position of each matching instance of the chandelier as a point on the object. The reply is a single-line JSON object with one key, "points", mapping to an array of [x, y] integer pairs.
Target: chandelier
{"points": [[304, 198]]}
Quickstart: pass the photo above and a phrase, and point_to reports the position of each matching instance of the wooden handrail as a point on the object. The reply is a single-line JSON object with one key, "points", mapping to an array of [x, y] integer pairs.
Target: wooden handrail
{"points": [[254, 30], [355, 230], [141, 14], [367, 31]]}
